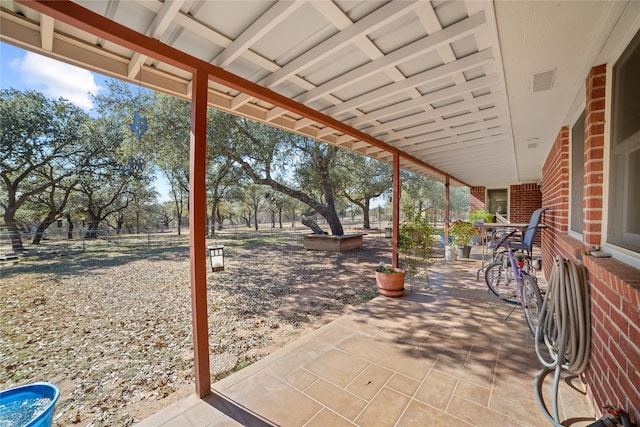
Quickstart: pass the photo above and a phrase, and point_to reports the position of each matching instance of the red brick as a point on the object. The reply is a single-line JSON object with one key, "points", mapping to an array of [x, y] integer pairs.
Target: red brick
{"points": [[593, 178], [619, 323], [599, 81], [631, 392], [593, 215], [634, 335], [592, 203], [594, 166], [612, 297], [593, 190], [598, 92], [596, 105]]}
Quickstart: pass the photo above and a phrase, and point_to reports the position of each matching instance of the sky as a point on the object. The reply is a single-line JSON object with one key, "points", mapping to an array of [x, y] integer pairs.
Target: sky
{"points": [[24, 70]]}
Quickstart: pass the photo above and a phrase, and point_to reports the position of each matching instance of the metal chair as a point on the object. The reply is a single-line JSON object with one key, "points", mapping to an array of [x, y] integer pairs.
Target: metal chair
{"points": [[525, 243]]}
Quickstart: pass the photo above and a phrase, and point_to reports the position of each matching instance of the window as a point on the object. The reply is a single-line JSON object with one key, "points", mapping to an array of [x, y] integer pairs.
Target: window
{"points": [[577, 173], [623, 229], [497, 202]]}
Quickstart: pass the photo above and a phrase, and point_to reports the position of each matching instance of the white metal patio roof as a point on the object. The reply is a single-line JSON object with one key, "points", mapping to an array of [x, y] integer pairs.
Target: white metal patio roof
{"points": [[476, 89]]}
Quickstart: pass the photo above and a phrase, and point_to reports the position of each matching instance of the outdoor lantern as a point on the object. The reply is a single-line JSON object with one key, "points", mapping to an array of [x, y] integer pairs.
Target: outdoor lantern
{"points": [[387, 232], [216, 255]]}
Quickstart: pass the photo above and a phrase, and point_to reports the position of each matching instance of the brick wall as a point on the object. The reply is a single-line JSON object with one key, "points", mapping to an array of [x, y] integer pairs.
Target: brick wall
{"points": [[555, 195], [612, 376], [594, 155], [477, 198], [523, 200]]}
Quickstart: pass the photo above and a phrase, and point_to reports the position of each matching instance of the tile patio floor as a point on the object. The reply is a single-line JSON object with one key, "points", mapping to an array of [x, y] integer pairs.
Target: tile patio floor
{"points": [[427, 359]]}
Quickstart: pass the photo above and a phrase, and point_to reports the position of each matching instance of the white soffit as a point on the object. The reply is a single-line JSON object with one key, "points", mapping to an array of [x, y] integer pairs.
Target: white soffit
{"points": [[425, 77]]}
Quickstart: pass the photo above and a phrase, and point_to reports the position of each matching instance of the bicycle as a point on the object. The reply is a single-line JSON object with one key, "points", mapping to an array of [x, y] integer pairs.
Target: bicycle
{"points": [[508, 268]]}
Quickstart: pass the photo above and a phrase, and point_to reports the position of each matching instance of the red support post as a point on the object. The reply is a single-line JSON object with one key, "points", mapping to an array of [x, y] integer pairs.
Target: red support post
{"points": [[396, 210], [198, 232], [446, 210]]}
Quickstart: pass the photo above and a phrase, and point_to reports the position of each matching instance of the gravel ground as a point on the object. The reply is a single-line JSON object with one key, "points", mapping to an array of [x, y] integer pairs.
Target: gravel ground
{"points": [[111, 326]]}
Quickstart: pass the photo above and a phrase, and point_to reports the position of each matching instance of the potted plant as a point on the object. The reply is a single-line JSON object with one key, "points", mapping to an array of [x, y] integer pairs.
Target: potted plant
{"points": [[477, 217], [480, 214], [390, 281], [415, 246], [415, 242], [462, 232]]}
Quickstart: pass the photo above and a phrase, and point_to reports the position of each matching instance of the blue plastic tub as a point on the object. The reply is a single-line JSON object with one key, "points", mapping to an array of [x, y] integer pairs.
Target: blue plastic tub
{"points": [[442, 240], [28, 406]]}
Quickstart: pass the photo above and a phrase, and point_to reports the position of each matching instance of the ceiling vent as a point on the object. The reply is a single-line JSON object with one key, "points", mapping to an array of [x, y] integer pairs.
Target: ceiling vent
{"points": [[543, 81]]}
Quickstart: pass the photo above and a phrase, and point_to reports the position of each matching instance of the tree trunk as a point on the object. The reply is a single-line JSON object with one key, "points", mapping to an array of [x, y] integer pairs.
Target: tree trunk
{"points": [[14, 234], [69, 228], [120, 221], [220, 218], [308, 221], [366, 224], [178, 201], [334, 222], [214, 210], [42, 227], [329, 212], [92, 230]]}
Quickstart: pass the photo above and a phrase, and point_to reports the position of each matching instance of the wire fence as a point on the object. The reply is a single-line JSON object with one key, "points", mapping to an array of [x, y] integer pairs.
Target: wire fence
{"points": [[60, 241]]}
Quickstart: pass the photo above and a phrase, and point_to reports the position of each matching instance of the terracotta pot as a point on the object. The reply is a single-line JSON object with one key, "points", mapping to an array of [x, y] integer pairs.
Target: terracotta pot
{"points": [[391, 285]]}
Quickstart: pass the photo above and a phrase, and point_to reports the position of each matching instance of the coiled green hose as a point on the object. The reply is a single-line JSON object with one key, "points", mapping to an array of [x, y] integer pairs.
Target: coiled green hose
{"points": [[565, 325]]}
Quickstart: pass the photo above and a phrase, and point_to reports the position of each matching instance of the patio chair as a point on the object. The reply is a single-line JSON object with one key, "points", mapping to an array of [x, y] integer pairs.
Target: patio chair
{"points": [[524, 241], [501, 219]]}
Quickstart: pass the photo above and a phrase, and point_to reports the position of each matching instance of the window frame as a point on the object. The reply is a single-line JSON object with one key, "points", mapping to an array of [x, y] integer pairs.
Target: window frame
{"points": [[581, 113], [622, 254], [508, 192]]}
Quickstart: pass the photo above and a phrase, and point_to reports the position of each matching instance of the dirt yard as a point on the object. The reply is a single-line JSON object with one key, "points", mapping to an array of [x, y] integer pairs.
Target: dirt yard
{"points": [[111, 326]]}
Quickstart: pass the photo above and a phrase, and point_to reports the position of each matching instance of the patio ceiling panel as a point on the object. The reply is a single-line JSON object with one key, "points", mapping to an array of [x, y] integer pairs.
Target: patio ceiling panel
{"points": [[419, 76]]}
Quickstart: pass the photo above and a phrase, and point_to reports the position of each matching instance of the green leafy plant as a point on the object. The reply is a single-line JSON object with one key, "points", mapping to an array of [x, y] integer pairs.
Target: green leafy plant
{"points": [[480, 214], [386, 270], [462, 231], [415, 240]]}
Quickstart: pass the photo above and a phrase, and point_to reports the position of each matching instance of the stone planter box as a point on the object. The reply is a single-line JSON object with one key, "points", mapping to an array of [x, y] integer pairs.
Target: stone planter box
{"points": [[319, 242]]}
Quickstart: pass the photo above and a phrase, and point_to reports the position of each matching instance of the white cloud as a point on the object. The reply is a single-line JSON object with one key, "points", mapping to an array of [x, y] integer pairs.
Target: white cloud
{"points": [[57, 79]]}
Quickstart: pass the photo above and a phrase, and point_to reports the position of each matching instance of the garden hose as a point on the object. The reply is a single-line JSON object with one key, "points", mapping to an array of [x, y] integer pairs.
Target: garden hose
{"points": [[566, 328]]}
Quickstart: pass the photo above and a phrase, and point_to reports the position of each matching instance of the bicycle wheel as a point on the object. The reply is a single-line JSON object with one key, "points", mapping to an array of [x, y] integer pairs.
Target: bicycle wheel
{"points": [[532, 302], [501, 282]]}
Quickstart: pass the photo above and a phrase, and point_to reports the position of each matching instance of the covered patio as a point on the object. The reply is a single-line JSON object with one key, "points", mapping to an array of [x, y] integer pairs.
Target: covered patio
{"points": [[515, 98], [445, 356]]}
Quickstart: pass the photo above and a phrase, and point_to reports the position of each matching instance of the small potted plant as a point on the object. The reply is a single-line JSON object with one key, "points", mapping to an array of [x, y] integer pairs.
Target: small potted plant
{"points": [[390, 281], [415, 245], [462, 232], [478, 217]]}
